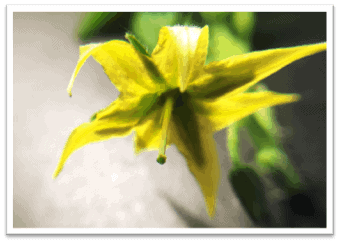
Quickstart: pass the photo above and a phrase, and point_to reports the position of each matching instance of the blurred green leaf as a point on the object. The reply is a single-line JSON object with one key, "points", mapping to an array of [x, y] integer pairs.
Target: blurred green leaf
{"points": [[270, 156], [243, 23], [185, 19], [286, 179], [223, 44], [233, 142], [250, 189], [215, 17], [283, 173], [146, 26], [260, 136], [92, 22]]}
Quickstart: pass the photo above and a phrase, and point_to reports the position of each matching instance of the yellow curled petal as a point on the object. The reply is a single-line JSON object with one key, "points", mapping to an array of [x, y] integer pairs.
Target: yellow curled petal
{"points": [[238, 73], [84, 53], [123, 65], [226, 110]]}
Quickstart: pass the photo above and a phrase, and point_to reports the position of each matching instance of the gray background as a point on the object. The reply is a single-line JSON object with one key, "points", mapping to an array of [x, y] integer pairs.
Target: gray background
{"points": [[143, 193]]}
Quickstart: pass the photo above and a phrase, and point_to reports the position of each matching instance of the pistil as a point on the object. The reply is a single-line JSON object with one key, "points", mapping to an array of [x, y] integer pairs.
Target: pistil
{"points": [[169, 103]]}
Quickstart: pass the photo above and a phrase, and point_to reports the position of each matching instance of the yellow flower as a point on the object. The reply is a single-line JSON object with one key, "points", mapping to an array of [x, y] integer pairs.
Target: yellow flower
{"points": [[172, 97]]}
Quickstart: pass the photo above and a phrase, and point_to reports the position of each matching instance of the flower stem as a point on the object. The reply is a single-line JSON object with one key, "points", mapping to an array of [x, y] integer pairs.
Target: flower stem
{"points": [[165, 124]]}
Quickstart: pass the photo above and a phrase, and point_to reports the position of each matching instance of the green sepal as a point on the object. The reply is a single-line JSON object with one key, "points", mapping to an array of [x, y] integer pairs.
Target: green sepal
{"points": [[136, 43], [93, 117]]}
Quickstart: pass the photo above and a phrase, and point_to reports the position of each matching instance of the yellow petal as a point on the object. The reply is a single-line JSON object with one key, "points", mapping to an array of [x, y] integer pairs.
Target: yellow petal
{"points": [[181, 53], [236, 74], [148, 134], [149, 131], [194, 139], [84, 53], [198, 59], [165, 57], [91, 132], [128, 107], [123, 65], [226, 110], [117, 120]]}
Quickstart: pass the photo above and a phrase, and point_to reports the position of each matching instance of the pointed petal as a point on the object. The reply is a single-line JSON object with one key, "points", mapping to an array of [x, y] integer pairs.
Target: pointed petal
{"points": [[238, 73], [226, 110], [191, 43], [91, 132], [165, 57], [181, 53], [194, 139], [128, 108], [117, 120], [123, 65], [84, 53]]}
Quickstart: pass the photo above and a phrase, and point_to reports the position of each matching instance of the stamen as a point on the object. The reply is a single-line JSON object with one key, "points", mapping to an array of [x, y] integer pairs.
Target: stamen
{"points": [[165, 124]]}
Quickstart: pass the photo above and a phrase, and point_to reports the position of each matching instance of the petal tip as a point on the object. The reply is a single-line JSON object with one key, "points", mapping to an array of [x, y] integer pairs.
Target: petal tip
{"points": [[69, 92], [55, 174], [295, 97], [211, 209]]}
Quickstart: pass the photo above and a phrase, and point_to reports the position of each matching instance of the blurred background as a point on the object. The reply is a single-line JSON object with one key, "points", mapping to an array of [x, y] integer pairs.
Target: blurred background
{"points": [[105, 184]]}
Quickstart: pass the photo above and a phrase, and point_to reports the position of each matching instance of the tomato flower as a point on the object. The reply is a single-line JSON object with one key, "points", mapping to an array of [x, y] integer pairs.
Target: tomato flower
{"points": [[172, 97]]}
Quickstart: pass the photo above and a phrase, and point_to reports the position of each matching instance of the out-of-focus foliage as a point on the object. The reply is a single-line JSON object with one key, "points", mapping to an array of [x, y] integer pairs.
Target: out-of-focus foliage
{"points": [[271, 167], [93, 22], [230, 34], [250, 189], [146, 26]]}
